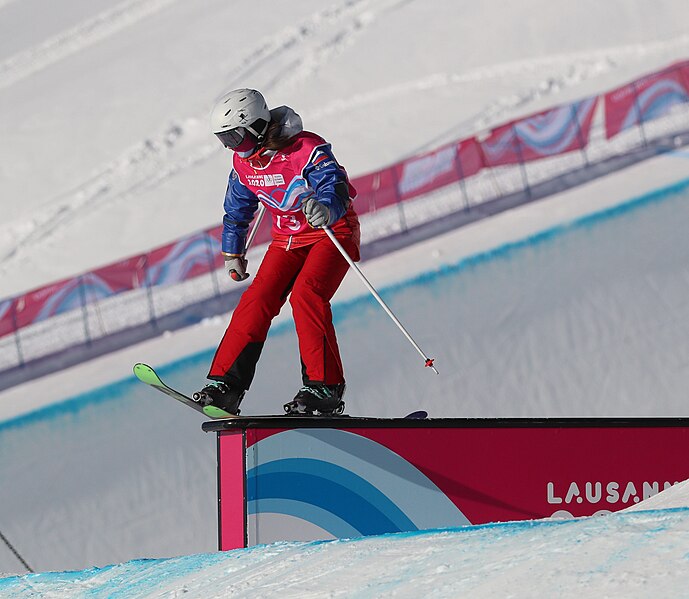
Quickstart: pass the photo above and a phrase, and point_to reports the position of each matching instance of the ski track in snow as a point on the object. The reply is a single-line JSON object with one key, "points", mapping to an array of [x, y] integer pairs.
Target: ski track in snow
{"points": [[564, 71], [327, 33], [182, 145], [78, 38], [145, 166], [302, 50]]}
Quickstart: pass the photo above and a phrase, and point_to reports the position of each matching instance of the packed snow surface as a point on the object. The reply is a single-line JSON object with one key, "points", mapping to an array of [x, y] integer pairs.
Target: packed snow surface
{"points": [[635, 554]]}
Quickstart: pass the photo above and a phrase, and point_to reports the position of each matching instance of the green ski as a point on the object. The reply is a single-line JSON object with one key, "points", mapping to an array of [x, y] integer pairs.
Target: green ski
{"points": [[147, 375]]}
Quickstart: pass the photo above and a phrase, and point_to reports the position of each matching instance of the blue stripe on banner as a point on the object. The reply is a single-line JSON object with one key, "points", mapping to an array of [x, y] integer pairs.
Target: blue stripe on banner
{"points": [[308, 512], [331, 488]]}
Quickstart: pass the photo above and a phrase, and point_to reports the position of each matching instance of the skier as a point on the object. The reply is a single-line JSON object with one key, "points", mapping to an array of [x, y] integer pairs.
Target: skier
{"points": [[294, 174]]}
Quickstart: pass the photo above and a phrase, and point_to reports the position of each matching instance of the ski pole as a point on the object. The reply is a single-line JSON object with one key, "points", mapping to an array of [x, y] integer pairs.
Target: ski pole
{"points": [[252, 234], [374, 293], [250, 238]]}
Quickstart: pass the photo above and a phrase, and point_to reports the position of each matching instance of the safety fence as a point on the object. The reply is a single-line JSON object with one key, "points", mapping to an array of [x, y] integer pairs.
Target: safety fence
{"points": [[459, 176]]}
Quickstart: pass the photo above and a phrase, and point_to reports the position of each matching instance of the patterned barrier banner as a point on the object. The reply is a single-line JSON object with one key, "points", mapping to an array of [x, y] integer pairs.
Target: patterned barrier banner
{"points": [[549, 133], [646, 99], [177, 262], [375, 191], [469, 158], [122, 276], [558, 131], [323, 483], [54, 299], [6, 316], [430, 171], [501, 147]]}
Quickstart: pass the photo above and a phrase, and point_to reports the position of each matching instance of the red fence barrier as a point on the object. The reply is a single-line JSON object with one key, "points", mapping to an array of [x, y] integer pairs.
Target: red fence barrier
{"points": [[646, 99], [547, 134]]}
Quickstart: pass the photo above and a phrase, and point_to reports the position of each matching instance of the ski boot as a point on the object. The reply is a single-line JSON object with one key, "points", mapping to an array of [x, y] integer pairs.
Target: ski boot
{"points": [[325, 400], [221, 395]]}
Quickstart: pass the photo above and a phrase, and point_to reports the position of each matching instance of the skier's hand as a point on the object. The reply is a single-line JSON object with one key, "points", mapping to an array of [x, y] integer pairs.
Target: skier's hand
{"points": [[235, 267], [317, 214]]}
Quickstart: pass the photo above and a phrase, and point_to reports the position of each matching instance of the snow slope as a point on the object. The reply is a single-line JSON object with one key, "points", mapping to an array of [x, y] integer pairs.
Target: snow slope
{"points": [[120, 142], [638, 554]]}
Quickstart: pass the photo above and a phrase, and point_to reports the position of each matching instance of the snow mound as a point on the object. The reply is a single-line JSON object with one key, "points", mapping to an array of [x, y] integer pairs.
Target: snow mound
{"points": [[676, 496], [622, 555]]}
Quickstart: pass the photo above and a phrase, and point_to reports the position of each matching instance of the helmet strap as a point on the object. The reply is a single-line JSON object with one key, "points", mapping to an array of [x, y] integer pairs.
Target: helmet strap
{"points": [[259, 135]]}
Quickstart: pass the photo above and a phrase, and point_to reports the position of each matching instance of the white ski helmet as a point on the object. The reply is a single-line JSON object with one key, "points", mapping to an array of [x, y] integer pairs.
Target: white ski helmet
{"points": [[237, 111]]}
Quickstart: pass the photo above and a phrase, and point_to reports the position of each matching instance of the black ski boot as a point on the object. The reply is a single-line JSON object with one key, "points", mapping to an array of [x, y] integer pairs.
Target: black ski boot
{"points": [[220, 395], [326, 400]]}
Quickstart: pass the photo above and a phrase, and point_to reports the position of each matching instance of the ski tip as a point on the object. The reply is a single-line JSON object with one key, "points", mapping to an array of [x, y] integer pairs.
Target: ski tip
{"points": [[146, 374], [418, 415], [141, 367]]}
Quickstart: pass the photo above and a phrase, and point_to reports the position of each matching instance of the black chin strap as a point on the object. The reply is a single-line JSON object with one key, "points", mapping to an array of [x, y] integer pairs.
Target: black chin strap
{"points": [[260, 136]]}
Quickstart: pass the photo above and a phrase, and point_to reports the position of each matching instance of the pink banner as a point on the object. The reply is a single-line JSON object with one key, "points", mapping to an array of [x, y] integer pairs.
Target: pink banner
{"points": [[124, 275], [48, 301], [557, 131], [418, 175], [375, 191], [469, 158], [177, 262], [6, 317], [520, 473], [549, 133], [215, 235], [421, 174], [231, 479], [326, 482], [646, 99], [433, 170], [70, 294], [500, 147]]}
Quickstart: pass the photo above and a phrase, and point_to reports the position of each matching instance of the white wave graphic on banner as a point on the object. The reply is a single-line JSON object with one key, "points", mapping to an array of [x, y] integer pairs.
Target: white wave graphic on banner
{"points": [[341, 483]]}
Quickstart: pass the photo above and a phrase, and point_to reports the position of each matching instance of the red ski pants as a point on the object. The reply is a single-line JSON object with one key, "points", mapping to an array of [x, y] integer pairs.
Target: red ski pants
{"points": [[309, 276]]}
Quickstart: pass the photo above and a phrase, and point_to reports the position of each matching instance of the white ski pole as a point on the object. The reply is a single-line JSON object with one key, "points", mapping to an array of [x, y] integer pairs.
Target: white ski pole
{"points": [[374, 293], [252, 234], [250, 238]]}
